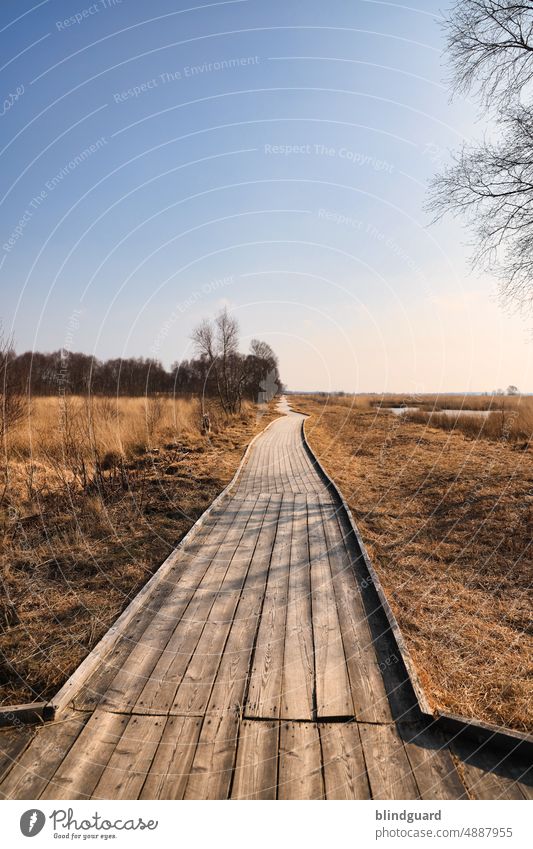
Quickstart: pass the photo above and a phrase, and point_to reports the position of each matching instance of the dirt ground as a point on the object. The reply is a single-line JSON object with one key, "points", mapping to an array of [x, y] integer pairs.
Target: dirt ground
{"points": [[448, 523]]}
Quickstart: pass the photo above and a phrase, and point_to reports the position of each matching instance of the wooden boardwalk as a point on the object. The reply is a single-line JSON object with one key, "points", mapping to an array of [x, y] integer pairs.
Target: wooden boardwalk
{"points": [[259, 666]]}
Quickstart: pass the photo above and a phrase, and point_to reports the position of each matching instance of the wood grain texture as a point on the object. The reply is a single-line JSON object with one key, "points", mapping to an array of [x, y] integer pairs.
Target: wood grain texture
{"points": [[345, 773], [256, 771], [300, 762]]}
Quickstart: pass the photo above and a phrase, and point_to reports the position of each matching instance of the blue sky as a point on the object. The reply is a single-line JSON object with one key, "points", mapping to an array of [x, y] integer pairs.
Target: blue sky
{"points": [[160, 161]]}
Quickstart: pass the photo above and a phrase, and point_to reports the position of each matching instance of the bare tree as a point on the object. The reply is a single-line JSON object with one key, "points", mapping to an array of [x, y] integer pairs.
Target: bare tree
{"points": [[231, 362], [12, 397], [218, 343], [263, 371], [490, 45]]}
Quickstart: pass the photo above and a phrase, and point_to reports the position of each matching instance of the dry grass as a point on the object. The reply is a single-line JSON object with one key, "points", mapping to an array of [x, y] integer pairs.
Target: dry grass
{"points": [[501, 417], [93, 496], [438, 402], [510, 424], [448, 521]]}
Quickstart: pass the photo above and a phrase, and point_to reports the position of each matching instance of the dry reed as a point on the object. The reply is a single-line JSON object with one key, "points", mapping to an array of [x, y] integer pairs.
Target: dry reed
{"points": [[448, 520]]}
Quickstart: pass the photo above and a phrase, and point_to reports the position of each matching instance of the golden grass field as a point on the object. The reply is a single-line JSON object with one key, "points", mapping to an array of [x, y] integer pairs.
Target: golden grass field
{"points": [[447, 516], [93, 496]]}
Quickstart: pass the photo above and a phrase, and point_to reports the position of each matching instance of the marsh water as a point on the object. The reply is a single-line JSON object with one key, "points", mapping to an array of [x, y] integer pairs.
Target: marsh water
{"points": [[398, 411]]}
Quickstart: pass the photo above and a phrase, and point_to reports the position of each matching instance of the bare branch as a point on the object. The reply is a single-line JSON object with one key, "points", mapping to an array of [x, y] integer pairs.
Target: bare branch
{"points": [[490, 45], [13, 402]]}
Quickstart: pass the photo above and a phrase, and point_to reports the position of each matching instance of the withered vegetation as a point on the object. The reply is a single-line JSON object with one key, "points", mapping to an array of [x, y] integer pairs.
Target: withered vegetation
{"points": [[448, 521]]}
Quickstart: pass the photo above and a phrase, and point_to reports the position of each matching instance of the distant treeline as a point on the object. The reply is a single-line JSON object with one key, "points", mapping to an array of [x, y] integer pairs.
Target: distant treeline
{"points": [[39, 373]]}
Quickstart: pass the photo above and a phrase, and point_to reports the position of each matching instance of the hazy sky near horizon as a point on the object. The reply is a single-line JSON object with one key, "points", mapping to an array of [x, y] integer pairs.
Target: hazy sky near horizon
{"points": [[160, 160]]}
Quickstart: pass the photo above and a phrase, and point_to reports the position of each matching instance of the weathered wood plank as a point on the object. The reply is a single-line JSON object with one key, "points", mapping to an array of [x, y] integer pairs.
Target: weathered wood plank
{"points": [[233, 673], [264, 692], [13, 742], [300, 762], [433, 768], [298, 680], [257, 761], [30, 776], [195, 687], [125, 774], [158, 692], [214, 759], [485, 772], [192, 562], [344, 765], [333, 691], [366, 680], [79, 772], [389, 770], [171, 767]]}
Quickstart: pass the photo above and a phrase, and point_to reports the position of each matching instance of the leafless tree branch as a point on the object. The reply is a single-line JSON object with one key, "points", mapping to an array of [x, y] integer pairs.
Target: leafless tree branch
{"points": [[490, 45]]}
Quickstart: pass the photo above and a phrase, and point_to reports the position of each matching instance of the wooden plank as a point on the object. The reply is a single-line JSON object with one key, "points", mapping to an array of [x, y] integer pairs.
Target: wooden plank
{"points": [[518, 767], [126, 771], [195, 687], [298, 681], [198, 551], [32, 713], [526, 788], [276, 470], [252, 481], [300, 762], [233, 674], [172, 564], [433, 767], [483, 784], [92, 691], [333, 691], [256, 771], [345, 774], [171, 767], [388, 766], [286, 471], [214, 759], [159, 692], [79, 772], [264, 692], [136, 671], [132, 677], [484, 771], [368, 692], [30, 775], [297, 472], [13, 742]]}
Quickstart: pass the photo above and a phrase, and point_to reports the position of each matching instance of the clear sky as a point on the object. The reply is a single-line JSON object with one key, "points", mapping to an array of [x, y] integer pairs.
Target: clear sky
{"points": [[160, 160]]}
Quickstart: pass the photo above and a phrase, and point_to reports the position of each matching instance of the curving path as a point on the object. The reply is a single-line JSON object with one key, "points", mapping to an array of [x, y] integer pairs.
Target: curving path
{"points": [[258, 663]]}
